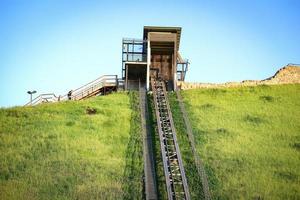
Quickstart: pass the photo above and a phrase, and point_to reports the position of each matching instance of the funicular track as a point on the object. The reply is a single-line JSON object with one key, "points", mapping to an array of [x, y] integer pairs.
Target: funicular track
{"points": [[176, 181]]}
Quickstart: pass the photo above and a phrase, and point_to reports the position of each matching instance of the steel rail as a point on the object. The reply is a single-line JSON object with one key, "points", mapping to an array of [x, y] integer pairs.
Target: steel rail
{"points": [[176, 182]]}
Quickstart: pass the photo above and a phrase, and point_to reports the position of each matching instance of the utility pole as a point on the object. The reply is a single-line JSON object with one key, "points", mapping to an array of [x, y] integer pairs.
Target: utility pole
{"points": [[31, 93]]}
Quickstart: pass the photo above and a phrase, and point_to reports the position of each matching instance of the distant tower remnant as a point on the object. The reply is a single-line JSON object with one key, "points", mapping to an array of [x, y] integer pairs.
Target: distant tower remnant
{"points": [[155, 56]]}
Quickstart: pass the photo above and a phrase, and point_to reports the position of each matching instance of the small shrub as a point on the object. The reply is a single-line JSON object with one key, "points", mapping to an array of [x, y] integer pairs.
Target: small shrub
{"points": [[266, 98], [5, 174], [288, 176], [207, 106], [222, 131], [91, 111], [253, 119], [296, 145], [16, 114], [217, 91], [70, 123]]}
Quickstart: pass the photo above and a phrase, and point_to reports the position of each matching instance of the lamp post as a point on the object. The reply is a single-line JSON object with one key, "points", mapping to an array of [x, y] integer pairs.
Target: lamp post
{"points": [[31, 93]]}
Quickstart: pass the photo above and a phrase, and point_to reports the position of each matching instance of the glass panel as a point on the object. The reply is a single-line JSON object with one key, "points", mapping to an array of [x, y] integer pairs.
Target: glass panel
{"points": [[138, 48], [124, 47], [124, 56], [133, 50]]}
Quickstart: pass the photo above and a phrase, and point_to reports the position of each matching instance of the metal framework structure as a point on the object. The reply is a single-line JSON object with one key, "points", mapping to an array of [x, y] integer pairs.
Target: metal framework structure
{"points": [[182, 68], [176, 181], [133, 50]]}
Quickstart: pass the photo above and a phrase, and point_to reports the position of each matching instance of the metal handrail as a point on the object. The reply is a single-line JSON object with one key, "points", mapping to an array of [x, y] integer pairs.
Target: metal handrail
{"points": [[94, 81], [41, 97], [79, 93], [134, 39], [106, 80]]}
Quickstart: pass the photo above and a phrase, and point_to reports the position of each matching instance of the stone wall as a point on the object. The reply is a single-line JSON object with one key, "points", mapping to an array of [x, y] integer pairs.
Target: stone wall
{"points": [[286, 75]]}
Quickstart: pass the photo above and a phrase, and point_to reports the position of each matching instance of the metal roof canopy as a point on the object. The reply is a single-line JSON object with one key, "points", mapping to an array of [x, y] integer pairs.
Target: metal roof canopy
{"points": [[177, 30]]}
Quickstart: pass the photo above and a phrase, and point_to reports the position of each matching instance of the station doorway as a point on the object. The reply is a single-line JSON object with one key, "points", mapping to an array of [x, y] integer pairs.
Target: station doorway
{"points": [[136, 74]]}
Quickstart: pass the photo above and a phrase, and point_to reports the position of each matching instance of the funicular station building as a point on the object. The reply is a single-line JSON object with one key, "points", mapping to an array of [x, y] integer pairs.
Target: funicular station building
{"points": [[155, 56]]}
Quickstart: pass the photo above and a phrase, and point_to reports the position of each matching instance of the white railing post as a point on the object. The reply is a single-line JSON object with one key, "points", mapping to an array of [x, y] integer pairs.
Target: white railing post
{"points": [[148, 64]]}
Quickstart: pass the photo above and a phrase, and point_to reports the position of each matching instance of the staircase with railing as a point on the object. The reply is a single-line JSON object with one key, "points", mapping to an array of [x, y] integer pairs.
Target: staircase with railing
{"points": [[100, 86]]}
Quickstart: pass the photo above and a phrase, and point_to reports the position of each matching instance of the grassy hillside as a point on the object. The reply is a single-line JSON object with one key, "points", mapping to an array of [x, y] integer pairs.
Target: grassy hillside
{"points": [[66, 151], [247, 137], [249, 140]]}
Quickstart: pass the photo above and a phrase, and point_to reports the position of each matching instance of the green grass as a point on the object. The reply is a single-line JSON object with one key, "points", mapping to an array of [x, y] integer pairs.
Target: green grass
{"points": [[249, 140], [59, 151], [193, 178], [247, 137]]}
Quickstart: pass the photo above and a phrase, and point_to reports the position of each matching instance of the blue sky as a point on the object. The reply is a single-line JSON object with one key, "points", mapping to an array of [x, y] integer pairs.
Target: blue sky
{"points": [[58, 45]]}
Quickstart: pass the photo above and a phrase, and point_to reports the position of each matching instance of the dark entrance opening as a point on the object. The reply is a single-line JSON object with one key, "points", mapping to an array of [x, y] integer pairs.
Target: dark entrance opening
{"points": [[135, 76]]}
